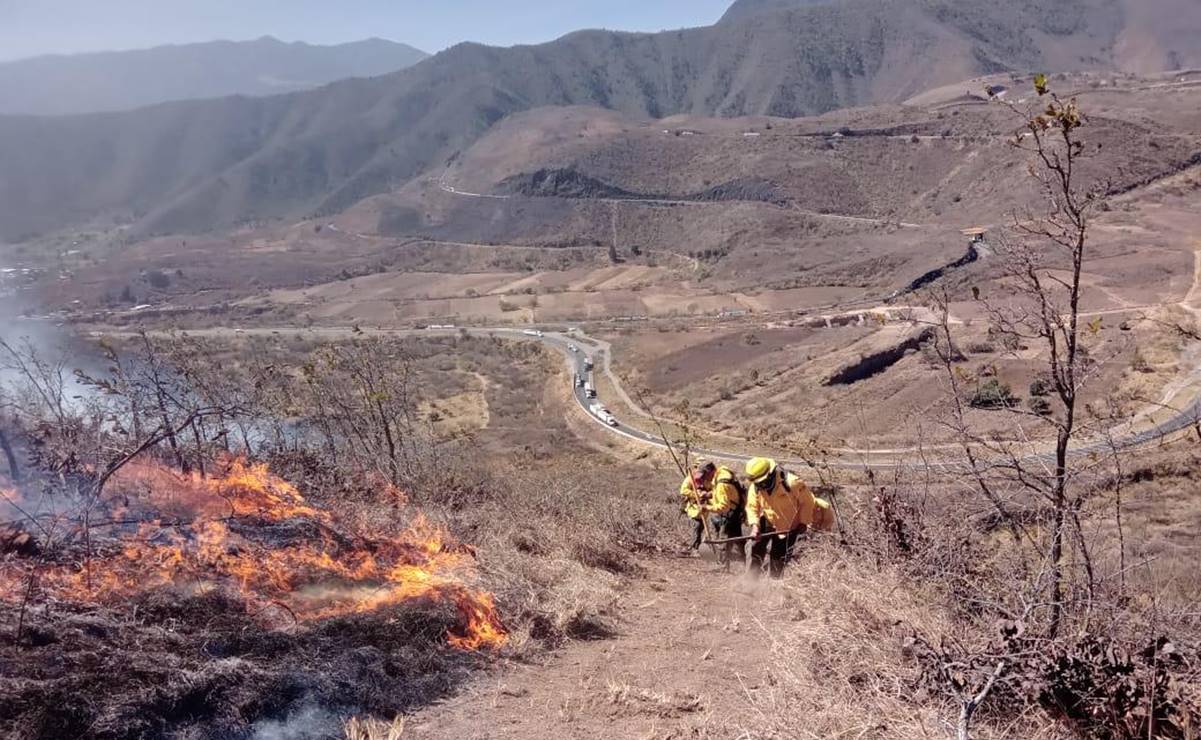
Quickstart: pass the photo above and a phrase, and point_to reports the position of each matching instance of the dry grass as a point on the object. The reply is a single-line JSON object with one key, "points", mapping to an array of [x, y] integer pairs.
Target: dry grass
{"points": [[657, 703], [373, 729], [557, 539], [840, 671]]}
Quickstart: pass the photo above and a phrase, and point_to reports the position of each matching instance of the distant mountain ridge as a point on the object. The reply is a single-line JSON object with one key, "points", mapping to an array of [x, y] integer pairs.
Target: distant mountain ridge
{"points": [[202, 165], [122, 80], [745, 8]]}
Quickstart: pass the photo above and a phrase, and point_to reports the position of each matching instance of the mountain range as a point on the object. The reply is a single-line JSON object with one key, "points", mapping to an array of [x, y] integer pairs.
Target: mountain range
{"points": [[111, 81], [199, 165]]}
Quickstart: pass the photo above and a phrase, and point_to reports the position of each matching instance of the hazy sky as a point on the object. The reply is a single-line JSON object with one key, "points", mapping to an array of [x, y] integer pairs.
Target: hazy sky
{"points": [[32, 27]]}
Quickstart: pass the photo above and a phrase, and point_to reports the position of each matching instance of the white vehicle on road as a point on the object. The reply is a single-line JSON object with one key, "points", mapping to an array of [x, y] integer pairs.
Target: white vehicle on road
{"points": [[573, 348], [599, 411], [589, 391]]}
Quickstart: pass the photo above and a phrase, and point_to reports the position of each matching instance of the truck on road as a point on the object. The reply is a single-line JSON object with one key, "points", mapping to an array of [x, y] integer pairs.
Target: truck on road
{"points": [[599, 411], [589, 391], [587, 363]]}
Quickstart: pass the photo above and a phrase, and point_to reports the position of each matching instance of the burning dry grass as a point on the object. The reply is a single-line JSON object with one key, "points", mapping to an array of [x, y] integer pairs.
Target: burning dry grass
{"points": [[209, 602], [242, 490], [253, 533]]}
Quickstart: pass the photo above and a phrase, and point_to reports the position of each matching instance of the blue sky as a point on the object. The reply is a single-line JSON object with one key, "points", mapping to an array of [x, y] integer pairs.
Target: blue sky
{"points": [[32, 27]]}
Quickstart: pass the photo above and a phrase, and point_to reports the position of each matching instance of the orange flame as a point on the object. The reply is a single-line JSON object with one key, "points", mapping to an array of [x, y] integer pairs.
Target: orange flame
{"points": [[244, 491], [314, 581]]}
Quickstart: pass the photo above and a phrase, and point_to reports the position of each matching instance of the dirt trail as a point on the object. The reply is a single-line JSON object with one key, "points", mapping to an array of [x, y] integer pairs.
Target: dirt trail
{"points": [[691, 647]]}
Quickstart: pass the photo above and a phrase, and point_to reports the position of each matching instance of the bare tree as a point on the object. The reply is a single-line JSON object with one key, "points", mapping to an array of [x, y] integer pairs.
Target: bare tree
{"points": [[1041, 260], [361, 395], [1036, 496], [1052, 138]]}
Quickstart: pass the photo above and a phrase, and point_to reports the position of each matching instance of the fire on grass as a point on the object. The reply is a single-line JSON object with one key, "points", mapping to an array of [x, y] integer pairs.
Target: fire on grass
{"points": [[252, 532]]}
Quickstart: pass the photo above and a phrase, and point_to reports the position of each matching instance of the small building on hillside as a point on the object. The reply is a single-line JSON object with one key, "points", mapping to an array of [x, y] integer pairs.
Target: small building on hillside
{"points": [[975, 234]]}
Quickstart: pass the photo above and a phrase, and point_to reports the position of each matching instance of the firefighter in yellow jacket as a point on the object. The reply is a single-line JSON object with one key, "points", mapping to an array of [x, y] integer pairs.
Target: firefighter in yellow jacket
{"points": [[780, 502], [714, 492]]}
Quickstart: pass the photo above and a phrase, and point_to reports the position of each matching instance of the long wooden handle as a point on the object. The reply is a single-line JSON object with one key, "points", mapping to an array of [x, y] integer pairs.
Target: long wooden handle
{"points": [[747, 538]]}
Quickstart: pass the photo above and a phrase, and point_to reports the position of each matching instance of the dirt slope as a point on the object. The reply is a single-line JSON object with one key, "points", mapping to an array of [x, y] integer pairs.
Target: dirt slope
{"points": [[698, 653], [688, 645]]}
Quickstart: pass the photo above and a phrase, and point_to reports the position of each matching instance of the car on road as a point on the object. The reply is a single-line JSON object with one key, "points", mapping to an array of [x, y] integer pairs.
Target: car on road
{"points": [[573, 348]]}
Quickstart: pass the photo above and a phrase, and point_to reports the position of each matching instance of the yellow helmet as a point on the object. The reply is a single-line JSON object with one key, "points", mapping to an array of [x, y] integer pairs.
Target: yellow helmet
{"points": [[759, 468]]}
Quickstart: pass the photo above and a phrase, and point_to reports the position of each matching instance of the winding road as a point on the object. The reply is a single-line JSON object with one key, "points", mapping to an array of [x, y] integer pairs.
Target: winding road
{"points": [[887, 458], [600, 353]]}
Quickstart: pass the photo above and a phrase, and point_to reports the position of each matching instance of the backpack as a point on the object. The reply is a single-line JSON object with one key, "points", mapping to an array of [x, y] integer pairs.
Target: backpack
{"points": [[738, 485]]}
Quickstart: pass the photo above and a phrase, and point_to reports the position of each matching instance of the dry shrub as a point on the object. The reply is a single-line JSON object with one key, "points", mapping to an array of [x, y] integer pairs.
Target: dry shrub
{"points": [[556, 540], [548, 600], [1106, 676], [604, 556]]}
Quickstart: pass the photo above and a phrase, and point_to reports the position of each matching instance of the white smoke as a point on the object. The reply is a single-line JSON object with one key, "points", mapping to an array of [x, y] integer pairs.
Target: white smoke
{"points": [[309, 722]]}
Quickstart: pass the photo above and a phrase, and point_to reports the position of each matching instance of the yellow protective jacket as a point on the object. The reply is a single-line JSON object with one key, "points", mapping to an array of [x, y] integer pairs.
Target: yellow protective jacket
{"points": [[787, 508], [724, 495]]}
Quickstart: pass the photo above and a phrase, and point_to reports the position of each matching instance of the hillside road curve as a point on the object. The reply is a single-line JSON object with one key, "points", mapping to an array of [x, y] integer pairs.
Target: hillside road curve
{"points": [[599, 353]]}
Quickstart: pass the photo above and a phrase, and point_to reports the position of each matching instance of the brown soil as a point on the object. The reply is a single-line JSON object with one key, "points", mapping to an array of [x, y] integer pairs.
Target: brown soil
{"points": [[691, 643]]}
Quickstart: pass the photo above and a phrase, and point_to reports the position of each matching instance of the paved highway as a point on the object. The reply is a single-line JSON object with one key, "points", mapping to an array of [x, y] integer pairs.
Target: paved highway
{"points": [[883, 459]]}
